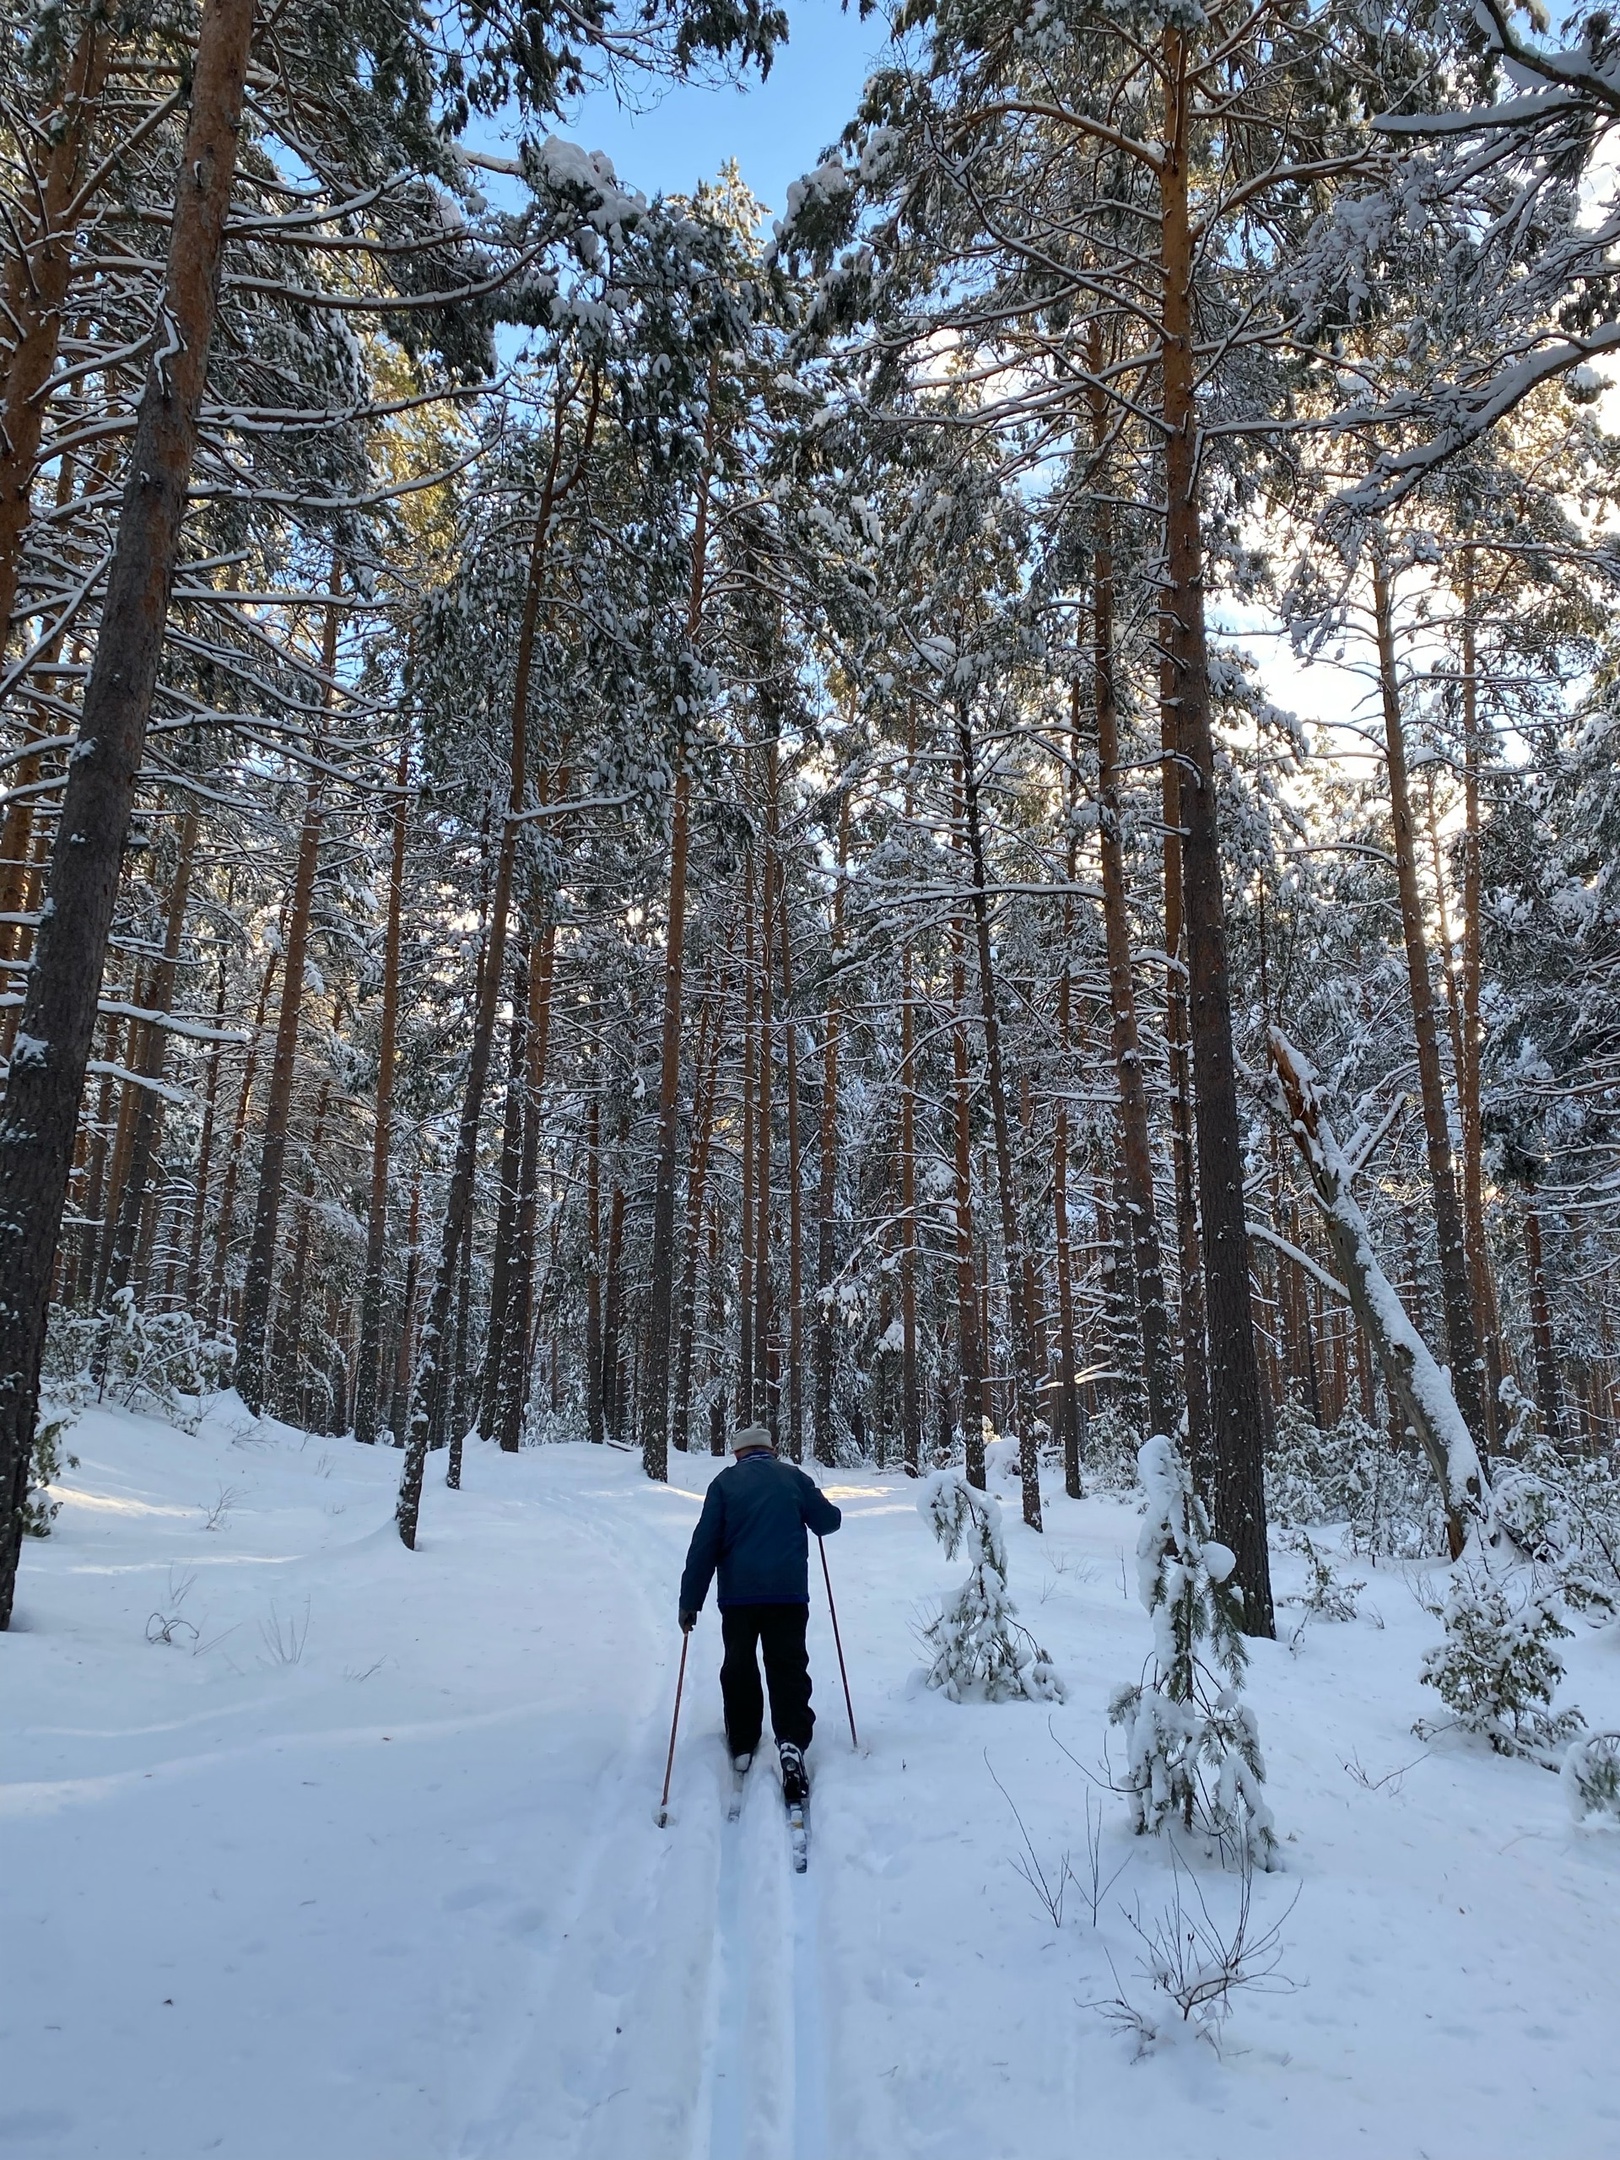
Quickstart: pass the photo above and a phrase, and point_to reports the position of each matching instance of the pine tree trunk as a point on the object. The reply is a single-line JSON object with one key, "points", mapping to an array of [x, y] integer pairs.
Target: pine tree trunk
{"points": [[21, 843], [661, 1287], [289, 1328], [910, 1397], [1189, 1260], [1121, 1303], [1237, 1416], [1024, 1367], [1135, 1146], [1456, 1289], [399, 1401], [1487, 1311], [457, 1394], [710, 1031], [217, 1300], [1481, 1288], [500, 1289], [745, 1225], [205, 1139], [1549, 1388], [514, 1387], [612, 1393], [427, 1388], [593, 1260], [790, 1036], [46, 1079], [1034, 1273], [764, 1116], [95, 1181], [661, 1270], [969, 1333], [43, 230], [252, 1356], [154, 1053], [123, 1141], [910, 1390], [987, 1335], [1068, 1348], [717, 1325], [368, 1379], [827, 1170]]}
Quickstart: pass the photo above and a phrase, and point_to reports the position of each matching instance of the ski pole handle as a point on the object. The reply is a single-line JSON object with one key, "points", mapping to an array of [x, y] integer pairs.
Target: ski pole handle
{"points": [[669, 1763], [838, 1644]]}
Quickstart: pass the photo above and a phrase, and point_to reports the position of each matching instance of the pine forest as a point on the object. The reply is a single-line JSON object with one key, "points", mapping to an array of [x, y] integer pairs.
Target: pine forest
{"points": [[971, 818]]}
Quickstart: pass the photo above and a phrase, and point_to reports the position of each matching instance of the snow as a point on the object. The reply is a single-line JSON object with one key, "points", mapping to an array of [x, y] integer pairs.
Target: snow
{"points": [[590, 174], [400, 1893], [825, 184]]}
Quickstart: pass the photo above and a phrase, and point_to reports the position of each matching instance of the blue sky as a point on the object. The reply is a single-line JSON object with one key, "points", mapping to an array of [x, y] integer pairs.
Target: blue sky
{"points": [[776, 130]]}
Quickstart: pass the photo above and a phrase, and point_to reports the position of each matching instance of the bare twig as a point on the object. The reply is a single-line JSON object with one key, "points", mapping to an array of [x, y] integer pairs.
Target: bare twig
{"points": [[214, 1517], [1049, 1889], [1394, 1779], [166, 1625], [1196, 1962], [284, 1640]]}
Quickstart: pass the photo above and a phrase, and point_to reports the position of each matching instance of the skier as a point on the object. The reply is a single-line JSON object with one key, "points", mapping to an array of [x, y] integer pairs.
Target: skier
{"points": [[753, 1530]]}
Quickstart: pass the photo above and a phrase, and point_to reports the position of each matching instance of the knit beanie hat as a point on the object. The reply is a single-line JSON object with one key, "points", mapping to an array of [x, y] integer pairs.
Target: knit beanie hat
{"points": [[751, 1436]]}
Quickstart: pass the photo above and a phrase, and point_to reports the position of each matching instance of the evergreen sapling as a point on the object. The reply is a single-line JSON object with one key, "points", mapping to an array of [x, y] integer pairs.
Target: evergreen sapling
{"points": [[50, 1458], [1192, 1746], [1591, 1777], [1498, 1667], [979, 1647], [165, 1363]]}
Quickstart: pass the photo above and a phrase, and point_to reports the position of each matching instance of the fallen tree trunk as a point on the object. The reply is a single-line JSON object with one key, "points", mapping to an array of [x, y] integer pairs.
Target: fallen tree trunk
{"points": [[1420, 1388]]}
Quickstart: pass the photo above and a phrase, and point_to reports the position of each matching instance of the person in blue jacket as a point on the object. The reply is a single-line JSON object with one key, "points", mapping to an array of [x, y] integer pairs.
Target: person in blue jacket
{"points": [[753, 1533]]}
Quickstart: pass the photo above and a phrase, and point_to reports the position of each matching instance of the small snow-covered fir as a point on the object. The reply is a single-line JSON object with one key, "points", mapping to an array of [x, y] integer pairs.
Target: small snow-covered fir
{"points": [[1192, 1745], [979, 1647], [164, 1362], [1498, 1667], [1591, 1775]]}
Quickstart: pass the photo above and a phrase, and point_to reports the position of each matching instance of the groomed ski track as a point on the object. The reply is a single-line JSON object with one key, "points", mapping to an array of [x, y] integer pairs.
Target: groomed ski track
{"points": [[698, 2033], [403, 1898], [764, 2070]]}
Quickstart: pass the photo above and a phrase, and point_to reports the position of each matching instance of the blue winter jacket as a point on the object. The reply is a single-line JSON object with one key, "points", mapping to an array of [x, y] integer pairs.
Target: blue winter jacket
{"points": [[753, 1529]]}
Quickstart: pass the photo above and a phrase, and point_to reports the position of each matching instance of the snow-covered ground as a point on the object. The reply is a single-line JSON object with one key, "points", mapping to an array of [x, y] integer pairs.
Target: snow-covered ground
{"points": [[361, 1863]]}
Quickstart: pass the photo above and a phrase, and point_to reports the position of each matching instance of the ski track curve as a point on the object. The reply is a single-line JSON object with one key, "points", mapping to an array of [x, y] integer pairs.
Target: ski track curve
{"points": [[677, 2007], [763, 2066], [720, 2111], [595, 2058]]}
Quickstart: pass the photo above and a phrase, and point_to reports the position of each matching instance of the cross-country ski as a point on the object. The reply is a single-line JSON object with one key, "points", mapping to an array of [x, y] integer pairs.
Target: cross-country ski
{"points": [[740, 1766]]}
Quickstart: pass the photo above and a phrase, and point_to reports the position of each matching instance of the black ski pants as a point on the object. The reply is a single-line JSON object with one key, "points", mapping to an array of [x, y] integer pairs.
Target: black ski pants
{"points": [[778, 1630]]}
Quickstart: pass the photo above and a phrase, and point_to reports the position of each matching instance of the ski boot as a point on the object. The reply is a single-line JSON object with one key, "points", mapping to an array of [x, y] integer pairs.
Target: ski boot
{"points": [[795, 1782]]}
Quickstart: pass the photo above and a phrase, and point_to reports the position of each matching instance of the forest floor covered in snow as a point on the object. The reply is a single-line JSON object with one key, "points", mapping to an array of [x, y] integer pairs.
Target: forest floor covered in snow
{"points": [[318, 1848]]}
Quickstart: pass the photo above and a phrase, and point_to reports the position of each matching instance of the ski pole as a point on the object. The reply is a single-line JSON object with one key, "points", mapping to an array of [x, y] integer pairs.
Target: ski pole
{"points": [[669, 1765], [838, 1643]]}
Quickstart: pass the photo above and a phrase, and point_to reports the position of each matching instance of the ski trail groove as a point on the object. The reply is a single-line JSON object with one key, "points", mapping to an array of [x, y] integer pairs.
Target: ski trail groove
{"points": [[720, 2107], [763, 2071], [809, 2044], [593, 2058]]}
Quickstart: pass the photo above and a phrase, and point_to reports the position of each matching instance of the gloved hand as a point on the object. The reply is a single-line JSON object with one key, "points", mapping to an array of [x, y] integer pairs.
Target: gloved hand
{"points": [[688, 1621]]}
